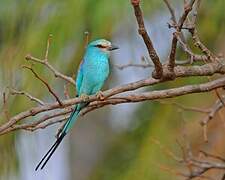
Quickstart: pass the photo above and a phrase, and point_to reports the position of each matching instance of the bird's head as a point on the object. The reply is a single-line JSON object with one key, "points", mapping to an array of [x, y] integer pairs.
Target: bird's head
{"points": [[102, 45]]}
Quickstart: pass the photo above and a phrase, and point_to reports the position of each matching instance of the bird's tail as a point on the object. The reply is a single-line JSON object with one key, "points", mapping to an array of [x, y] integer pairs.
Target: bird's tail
{"points": [[68, 125]]}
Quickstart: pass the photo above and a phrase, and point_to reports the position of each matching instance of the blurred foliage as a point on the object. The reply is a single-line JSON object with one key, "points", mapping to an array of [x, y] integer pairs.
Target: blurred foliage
{"points": [[24, 28]]}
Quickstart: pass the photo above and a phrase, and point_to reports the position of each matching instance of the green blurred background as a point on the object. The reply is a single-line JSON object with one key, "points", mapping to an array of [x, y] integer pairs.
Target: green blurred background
{"points": [[113, 142]]}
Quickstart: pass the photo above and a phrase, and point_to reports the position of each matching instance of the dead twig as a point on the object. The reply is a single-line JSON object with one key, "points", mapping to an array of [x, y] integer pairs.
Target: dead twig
{"points": [[187, 9], [5, 106], [45, 83], [29, 96], [121, 67]]}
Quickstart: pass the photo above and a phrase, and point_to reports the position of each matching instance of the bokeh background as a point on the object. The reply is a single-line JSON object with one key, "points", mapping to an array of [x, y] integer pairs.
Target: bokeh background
{"points": [[112, 142]]}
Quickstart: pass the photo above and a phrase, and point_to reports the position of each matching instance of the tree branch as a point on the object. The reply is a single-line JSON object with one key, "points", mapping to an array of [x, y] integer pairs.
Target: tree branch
{"points": [[134, 97], [51, 68], [45, 83], [196, 39], [29, 96], [142, 31], [187, 9]]}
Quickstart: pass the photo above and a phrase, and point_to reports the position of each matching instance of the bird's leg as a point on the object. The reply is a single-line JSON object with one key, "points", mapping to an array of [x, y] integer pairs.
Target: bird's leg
{"points": [[100, 95], [84, 97]]}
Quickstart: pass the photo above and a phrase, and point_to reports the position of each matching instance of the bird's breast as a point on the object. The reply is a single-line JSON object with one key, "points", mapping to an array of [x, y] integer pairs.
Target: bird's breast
{"points": [[98, 70]]}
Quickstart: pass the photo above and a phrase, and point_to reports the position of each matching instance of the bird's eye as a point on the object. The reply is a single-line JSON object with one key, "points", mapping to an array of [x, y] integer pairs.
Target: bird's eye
{"points": [[100, 46]]}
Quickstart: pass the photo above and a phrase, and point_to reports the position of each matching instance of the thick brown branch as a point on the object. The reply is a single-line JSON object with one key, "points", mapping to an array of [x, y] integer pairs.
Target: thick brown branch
{"points": [[172, 56], [180, 71], [134, 97], [142, 31], [168, 93]]}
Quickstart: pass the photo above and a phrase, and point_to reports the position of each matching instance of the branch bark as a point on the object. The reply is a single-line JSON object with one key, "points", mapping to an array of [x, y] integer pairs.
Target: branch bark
{"points": [[148, 42], [134, 97], [187, 9]]}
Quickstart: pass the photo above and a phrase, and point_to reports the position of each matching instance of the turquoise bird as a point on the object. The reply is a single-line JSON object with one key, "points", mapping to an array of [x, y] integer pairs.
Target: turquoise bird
{"points": [[91, 75]]}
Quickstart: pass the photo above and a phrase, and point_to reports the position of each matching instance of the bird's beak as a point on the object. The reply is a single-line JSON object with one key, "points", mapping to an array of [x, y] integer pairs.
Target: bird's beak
{"points": [[112, 47]]}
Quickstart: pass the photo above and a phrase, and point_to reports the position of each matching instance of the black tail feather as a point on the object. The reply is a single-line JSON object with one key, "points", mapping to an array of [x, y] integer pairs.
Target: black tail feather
{"points": [[50, 152]]}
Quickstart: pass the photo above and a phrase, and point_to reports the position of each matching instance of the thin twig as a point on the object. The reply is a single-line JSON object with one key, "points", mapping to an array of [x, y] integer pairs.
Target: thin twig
{"points": [[187, 9], [5, 106], [219, 97], [47, 48], [32, 98], [51, 68], [206, 154], [121, 67], [185, 108], [195, 37], [46, 84], [86, 33]]}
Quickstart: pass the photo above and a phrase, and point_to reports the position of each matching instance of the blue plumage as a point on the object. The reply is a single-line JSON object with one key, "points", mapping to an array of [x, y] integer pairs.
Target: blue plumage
{"points": [[91, 75]]}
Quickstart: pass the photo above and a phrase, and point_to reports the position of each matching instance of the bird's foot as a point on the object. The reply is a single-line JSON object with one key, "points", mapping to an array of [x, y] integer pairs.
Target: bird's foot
{"points": [[100, 96], [84, 97]]}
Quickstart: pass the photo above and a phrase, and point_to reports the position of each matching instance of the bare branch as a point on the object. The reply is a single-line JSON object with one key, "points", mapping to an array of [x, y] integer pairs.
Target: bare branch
{"points": [[206, 154], [142, 31], [5, 106], [121, 67], [134, 97], [32, 98], [201, 46], [45, 83], [51, 68], [47, 48], [197, 167], [196, 39], [187, 9], [219, 97], [172, 12], [66, 91], [42, 122], [86, 38], [185, 108], [214, 109], [186, 48]]}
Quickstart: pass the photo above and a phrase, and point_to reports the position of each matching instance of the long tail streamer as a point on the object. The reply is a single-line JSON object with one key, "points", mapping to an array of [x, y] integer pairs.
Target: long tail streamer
{"points": [[67, 126]]}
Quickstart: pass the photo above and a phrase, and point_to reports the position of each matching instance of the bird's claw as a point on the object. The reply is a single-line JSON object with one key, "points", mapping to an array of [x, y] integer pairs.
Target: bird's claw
{"points": [[100, 96], [84, 97]]}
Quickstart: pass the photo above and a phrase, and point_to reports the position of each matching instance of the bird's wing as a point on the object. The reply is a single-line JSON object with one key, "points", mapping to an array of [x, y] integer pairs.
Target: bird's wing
{"points": [[79, 78]]}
